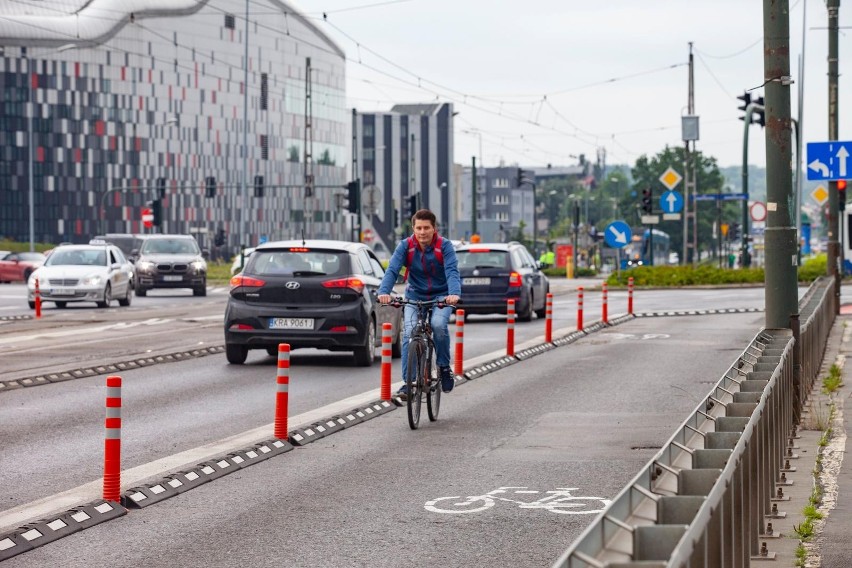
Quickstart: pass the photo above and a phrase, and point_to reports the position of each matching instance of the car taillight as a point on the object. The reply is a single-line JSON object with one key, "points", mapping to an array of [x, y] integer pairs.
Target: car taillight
{"points": [[354, 283], [240, 326], [241, 280], [514, 279]]}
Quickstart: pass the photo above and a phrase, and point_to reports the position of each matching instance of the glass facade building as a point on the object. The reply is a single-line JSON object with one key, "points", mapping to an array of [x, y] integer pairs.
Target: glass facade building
{"points": [[224, 118]]}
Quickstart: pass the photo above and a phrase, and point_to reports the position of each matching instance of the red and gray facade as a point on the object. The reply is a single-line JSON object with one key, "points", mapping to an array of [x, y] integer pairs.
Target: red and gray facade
{"points": [[139, 99]]}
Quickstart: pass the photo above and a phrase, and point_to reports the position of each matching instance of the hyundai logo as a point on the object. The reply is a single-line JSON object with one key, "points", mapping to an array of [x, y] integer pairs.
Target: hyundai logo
{"points": [[292, 285]]}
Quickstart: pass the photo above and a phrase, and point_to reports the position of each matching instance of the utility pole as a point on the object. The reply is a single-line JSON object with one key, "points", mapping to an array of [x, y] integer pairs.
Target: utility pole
{"points": [[781, 253], [309, 156], [355, 175], [690, 205], [473, 198], [835, 254], [245, 239]]}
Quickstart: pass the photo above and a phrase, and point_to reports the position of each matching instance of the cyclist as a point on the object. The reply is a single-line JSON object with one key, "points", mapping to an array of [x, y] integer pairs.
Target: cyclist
{"points": [[432, 272]]}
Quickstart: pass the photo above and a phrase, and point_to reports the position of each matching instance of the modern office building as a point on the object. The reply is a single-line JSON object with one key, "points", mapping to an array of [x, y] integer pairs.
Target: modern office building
{"points": [[236, 120], [406, 153]]}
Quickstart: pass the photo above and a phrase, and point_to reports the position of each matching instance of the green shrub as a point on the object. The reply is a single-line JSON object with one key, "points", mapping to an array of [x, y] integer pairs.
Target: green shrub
{"points": [[812, 268], [686, 276]]}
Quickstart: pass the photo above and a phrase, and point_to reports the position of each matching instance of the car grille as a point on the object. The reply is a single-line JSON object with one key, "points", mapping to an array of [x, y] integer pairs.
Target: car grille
{"points": [[63, 281], [173, 267]]}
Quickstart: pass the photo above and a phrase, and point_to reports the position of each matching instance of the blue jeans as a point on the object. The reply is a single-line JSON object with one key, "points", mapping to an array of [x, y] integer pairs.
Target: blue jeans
{"points": [[440, 335]]}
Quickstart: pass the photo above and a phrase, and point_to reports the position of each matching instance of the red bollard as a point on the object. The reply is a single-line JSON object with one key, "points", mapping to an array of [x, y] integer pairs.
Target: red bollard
{"points": [[605, 319], [387, 339], [282, 395], [510, 328], [37, 300], [580, 308], [112, 440], [548, 318], [630, 296], [459, 358]]}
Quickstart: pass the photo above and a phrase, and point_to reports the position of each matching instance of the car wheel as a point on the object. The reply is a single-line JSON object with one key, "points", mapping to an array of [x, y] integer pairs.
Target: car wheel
{"points": [[61, 305], [366, 354], [141, 292], [272, 351], [107, 297], [526, 315], [32, 304], [236, 354], [202, 291], [128, 296], [396, 347]]}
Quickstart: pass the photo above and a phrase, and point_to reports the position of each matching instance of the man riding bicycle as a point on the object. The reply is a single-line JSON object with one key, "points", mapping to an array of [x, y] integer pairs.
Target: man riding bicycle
{"points": [[432, 272]]}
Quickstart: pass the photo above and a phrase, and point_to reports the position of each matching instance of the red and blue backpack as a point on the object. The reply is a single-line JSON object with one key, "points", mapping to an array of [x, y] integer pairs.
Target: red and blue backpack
{"points": [[412, 246]]}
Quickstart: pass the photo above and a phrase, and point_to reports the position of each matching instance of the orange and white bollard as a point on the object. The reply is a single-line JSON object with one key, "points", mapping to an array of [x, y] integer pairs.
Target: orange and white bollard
{"points": [[580, 308], [548, 318], [604, 307], [458, 368], [630, 296], [282, 394], [387, 340], [37, 300], [510, 328], [112, 440]]}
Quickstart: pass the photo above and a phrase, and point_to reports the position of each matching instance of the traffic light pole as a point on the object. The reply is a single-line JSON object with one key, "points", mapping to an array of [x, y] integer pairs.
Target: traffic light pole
{"points": [[835, 257]]}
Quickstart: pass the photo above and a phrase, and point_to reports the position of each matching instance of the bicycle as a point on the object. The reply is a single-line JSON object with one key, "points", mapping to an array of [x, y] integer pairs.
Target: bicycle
{"points": [[560, 501], [422, 368]]}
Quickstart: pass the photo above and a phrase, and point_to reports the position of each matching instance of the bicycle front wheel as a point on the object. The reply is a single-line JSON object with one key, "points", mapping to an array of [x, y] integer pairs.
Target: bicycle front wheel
{"points": [[433, 392], [414, 381]]}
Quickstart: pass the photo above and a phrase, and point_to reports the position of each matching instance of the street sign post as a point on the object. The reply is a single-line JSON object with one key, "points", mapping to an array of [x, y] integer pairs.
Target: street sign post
{"points": [[828, 160], [147, 218], [617, 234]]}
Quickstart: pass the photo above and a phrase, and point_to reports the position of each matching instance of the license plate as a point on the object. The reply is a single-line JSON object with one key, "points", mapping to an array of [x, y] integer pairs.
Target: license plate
{"points": [[61, 292], [291, 323], [172, 278], [476, 281]]}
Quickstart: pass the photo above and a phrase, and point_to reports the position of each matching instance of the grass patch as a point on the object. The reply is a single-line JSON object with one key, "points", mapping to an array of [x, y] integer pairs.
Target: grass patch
{"points": [[833, 381], [218, 272]]}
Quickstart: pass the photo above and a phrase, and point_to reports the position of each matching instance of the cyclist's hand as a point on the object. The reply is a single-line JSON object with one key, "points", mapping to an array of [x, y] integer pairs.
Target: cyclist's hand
{"points": [[451, 300], [384, 299]]}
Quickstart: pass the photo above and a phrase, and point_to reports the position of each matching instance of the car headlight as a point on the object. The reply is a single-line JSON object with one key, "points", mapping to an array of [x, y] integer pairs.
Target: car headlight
{"points": [[92, 280], [199, 265], [144, 266]]}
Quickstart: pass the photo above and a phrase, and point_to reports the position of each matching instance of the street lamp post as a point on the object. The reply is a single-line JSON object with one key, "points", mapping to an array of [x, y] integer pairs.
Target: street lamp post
{"points": [[31, 154]]}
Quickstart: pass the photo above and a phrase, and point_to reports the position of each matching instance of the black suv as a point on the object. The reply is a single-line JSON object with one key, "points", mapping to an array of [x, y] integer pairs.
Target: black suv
{"points": [[315, 293], [492, 273], [170, 261]]}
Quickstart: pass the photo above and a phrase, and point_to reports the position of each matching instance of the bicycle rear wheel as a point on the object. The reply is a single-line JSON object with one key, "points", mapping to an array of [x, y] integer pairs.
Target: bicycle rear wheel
{"points": [[433, 396], [415, 371]]}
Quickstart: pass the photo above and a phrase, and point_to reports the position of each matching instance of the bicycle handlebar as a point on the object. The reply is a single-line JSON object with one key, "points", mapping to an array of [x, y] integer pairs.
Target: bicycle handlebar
{"points": [[399, 301]]}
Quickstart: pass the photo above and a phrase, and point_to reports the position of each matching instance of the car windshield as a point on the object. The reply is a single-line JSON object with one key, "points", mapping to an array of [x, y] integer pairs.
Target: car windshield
{"points": [[170, 246], [485, 258], [285, 262], [77, 257]]}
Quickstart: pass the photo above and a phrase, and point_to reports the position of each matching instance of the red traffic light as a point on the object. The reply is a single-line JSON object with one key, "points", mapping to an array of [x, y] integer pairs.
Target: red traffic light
{"points": [[841, 185]]}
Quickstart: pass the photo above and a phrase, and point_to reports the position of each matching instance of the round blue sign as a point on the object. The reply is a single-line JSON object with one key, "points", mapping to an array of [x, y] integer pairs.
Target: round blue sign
{"points": [[671, 202], [617, 234]]}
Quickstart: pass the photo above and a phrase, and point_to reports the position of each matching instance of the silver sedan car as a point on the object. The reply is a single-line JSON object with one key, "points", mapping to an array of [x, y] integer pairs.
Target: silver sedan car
{"points": [[83, 273]]}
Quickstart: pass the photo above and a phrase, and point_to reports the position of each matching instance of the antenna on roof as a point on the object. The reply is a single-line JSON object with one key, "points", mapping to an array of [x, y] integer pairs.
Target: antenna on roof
{"points": [[303, 237]]}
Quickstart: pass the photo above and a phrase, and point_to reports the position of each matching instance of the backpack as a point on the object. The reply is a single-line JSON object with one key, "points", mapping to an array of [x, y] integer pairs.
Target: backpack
{"points": [[412, 246]]}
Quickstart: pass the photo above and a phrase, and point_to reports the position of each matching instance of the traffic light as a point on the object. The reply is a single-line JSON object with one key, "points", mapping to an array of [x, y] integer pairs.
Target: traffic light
{"points": [[219, 239], [210, 187], [520, 177], [258, 186], [161, 188], [746, 99], [157, 212], [353, 194], [647, 203], [395, 218], [412, 205], [841, 195], [759, 114], [734, 232]]}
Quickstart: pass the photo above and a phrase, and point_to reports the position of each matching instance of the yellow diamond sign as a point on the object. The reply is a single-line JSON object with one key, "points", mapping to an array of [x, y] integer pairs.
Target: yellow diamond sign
{"points": [[820, 195], [670, 178]]}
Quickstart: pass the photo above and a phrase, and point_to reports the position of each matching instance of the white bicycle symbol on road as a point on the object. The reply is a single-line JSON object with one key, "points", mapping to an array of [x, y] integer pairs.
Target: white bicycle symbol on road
{"points": [[558, 501]]}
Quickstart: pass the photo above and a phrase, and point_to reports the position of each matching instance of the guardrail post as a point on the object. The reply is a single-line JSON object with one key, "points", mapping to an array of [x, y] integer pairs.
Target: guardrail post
{"points": [[112, 440], [387, 339], [459, 358], [630, 296], [795, 325], [282, 394], [548, 318], [510, 328], [580, 308], [604, 307]]}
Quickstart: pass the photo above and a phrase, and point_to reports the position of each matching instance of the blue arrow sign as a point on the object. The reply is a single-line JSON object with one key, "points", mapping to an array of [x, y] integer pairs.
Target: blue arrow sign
{"points": [[829, 160], [671, 202], [617, 234]]}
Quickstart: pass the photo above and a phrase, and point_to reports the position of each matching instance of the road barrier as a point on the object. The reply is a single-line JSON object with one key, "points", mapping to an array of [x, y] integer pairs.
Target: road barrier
{"points": [[510, 327], [458, 369], [387, 339], [709, 496], [283, 391], [37, 300], [604, 316], [548, 318], [580, 308], [112, 440], [630, 296]]}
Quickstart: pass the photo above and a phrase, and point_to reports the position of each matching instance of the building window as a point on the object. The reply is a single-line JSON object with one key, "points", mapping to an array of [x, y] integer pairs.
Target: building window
{"points": [[368, 130], [264, 91], [503, 217], [230, 21], [501, 199], [264, 147]]}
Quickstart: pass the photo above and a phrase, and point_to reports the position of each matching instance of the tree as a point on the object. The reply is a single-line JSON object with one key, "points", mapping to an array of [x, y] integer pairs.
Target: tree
{"points": [[709, 179], [326, 159]]}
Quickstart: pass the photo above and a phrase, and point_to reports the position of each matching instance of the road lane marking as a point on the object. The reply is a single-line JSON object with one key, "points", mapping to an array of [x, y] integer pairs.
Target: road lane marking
{"points": [[83, 330]]}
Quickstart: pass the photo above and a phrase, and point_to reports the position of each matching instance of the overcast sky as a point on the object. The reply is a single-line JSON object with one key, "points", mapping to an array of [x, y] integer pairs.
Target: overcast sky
{"points": [[543, 81]]}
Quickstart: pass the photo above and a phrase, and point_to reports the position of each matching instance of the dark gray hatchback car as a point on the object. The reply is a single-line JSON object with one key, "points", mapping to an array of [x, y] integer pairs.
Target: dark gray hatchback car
{"points": [[315, 293]]}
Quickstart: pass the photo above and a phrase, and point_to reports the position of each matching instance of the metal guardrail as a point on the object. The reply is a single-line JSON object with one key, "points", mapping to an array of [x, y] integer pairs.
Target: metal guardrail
{"points": [[703, 499]]}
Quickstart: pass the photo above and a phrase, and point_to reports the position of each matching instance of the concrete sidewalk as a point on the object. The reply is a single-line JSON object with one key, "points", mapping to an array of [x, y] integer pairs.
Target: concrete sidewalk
{"points": [[818, 471]]}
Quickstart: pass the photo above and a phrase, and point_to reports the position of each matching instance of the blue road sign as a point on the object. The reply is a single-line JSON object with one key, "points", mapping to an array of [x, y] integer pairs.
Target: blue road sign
{"points": [[722, 196], [828, 160], [617, 234], [263, 239], [671, 202]]}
